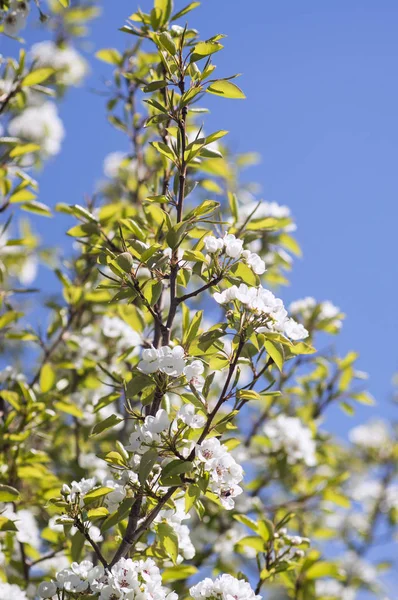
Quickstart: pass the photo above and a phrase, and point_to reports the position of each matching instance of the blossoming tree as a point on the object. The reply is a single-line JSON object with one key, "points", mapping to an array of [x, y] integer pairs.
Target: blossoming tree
{"points": [[171, 385]]}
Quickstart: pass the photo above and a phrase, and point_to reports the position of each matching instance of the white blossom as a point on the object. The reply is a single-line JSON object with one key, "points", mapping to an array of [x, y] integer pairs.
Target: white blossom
{"points": [[47, 589], [225, 473], [165, 359], [188, 415], [213, 244], [40, 125], [225, 587], [263, 303], [233, 246], [16, 16], [371, 436], [69, 64], [11, 591], [117, 164], [291, 436]]}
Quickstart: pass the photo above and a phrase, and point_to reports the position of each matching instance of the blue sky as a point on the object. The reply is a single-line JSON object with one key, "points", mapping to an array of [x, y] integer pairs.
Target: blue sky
{"points": [[321, 109]]}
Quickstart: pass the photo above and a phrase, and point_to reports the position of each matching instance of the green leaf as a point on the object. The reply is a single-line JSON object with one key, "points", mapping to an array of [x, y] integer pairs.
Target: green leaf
{"points": [[168, 540], [322, 569], [47, 378], [185, 10], [37, 207], [252, 541], [203, 49], [164, 149], [23, 149], [225, 88], [96, 494], [154, 85], [8, 493], [37, 76], [146, 465], [178, 572], [246, 521], [7, 524], [152, 291], [167, 42], [69, 409], [108, 423], [274, 353], [97, 513], [165, 7], [177, 467], [110, 56], [191, 495]]}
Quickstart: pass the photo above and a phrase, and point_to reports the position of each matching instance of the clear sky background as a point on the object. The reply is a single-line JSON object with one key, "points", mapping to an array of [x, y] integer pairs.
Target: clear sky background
{"points": [[321, 109]]}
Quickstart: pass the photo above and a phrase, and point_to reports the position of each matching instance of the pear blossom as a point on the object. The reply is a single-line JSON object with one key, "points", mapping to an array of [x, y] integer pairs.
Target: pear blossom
{"points": [[225, 587], [47, 589], [16, 16], [233, 246], [254, 261], [288, 434], [69, 64], [165, 359], [11, 591], [263, 303], [213, 244], [225, 473], [41, 125], [188, 415]]}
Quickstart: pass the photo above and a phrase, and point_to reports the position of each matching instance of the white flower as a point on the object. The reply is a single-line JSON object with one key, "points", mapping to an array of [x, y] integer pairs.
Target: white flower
{"points": [[294, 330], [254, 261], [213, 244], [66, 60], [233, 246], [290, 435], [78, 489], [371, 436], [149, 432], [209, 449], [118, 163], [165, 359], [41, 125], [47, 589], [225, 473], [15, 17], [28, 530], [193, 373], [226, 296], [188, 415], [225, 587]]}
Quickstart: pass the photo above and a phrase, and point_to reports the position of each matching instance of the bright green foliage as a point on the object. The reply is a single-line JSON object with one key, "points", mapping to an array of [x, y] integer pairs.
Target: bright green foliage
{"points": [[85, 399]]}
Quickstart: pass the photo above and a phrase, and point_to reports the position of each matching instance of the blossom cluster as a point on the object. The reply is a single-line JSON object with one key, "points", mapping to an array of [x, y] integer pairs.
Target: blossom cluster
{"points": [[127, 580], [69, 64], [223, 588], [174, 518], [291, 436], [16, 16], [233, 248], [75, 492], [11, 590], [172, 362], [225, 473], [325, 311], [262, 302], [41, 125]]}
